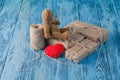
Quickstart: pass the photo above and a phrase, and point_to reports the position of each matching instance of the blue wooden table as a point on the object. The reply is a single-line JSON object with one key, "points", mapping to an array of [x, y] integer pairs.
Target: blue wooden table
{"points": [[19, 62]]}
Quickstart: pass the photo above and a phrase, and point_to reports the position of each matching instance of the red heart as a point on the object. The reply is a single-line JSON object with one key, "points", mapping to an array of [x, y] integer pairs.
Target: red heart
{"points": [[54, 51]]}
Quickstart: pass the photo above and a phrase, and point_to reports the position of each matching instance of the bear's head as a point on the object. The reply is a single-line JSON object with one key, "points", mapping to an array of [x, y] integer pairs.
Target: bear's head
{"points": [[49, 17]]}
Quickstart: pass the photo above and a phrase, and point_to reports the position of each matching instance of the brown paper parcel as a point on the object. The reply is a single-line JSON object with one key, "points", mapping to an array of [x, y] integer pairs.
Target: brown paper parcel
{"points": [[81, 50], [91, 32]]}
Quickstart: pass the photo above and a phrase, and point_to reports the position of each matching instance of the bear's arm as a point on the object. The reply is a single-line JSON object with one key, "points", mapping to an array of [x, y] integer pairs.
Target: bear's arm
{"points": [[47, 34]]}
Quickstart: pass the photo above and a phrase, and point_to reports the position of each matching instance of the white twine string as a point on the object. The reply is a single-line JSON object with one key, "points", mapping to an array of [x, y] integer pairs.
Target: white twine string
{"points": [[24, 62], [36, 37], [38, 55], [100, 45]]}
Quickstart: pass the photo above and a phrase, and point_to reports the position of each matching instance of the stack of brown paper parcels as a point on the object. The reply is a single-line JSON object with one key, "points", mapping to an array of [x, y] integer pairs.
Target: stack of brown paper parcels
{"points": [[84, 40]]}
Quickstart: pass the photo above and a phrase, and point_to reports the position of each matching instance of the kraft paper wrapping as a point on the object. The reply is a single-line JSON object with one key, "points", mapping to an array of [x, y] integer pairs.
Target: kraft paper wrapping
{"points": [[81, 50], [36, 37], [71, 51], [92, 32], [93, 37]]}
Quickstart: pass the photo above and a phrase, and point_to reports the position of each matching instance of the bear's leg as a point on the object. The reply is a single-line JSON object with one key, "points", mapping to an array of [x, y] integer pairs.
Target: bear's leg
{"points": [[62, 30], [59, 35], [46, 31], [66, 35]]}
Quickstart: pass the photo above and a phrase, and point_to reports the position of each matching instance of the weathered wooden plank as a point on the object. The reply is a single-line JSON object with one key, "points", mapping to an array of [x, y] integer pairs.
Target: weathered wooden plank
{"points": [[99, 13], [116, 8], [19, 50], [8, 18], [67, 11], [103, 55], [1, 4], [99, 68], [111, 19]]}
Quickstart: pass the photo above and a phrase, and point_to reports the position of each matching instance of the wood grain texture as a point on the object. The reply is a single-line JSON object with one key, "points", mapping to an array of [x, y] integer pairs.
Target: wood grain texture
{"points": [[99, 68], [8, 19], [110, 16], [16, 16]]}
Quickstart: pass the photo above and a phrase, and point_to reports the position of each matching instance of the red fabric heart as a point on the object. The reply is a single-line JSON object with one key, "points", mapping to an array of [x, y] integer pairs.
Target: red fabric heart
{"points": [[54, 51]]}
